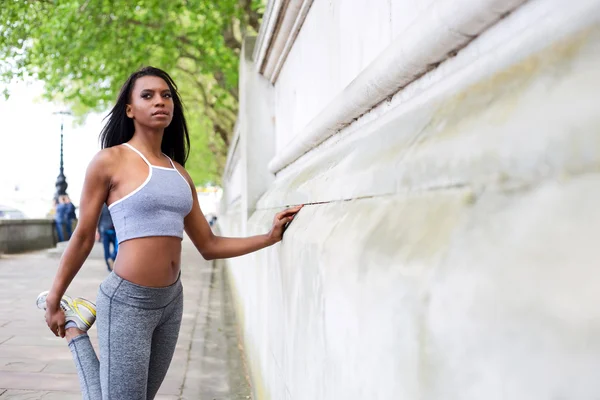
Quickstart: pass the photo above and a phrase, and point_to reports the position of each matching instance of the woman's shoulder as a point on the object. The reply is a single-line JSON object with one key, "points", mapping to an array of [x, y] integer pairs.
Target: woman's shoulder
{"points": [[106, 159], [182, 170], [110, 154]]}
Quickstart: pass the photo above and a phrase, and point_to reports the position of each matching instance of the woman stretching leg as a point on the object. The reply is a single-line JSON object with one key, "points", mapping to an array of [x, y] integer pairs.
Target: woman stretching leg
{"points": [[139, 174]]}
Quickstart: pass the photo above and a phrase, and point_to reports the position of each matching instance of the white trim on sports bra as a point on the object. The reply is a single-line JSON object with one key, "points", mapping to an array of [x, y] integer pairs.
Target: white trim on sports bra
{"points": [[149, 174], [182, 177]]}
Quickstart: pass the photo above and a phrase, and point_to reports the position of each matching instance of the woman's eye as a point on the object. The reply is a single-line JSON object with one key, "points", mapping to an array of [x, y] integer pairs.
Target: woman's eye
{"points": [[146, 96], [168, 95]]}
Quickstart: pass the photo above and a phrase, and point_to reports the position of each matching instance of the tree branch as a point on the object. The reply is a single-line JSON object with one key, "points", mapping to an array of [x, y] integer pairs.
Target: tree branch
{"points": [[230, 39], [223, 134], [215, 115], [186, 54], [253, 16], [220, 78], [144, 24], [194, 77]]}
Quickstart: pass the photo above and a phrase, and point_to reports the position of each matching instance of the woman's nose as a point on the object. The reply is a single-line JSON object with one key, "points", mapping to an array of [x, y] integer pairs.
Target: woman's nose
{"points": [[159, 101]]}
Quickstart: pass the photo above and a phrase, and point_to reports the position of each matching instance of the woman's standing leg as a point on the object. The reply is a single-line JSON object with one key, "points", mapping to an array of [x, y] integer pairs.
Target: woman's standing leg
{"points": [[125, 343], [164, 341]]}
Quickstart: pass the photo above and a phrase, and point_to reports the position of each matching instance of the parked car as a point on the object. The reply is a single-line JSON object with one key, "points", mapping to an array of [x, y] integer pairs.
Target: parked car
{"points": [[11, 213]]}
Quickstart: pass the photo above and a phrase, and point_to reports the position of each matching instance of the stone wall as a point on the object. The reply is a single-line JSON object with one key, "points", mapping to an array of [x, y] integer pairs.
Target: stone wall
{"points": [[18, 236], [447, 249]]}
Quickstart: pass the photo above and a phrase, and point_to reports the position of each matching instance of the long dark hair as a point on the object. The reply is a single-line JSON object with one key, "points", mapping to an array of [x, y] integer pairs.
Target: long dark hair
{"points": [[119, 128]]}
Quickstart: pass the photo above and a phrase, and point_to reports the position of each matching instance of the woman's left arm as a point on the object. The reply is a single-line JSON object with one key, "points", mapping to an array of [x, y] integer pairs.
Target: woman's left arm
{"points": [[213, 247]]}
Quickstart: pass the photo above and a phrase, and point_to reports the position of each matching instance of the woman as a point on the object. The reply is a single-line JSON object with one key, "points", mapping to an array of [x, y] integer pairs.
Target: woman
{"points": [[140, 175]]}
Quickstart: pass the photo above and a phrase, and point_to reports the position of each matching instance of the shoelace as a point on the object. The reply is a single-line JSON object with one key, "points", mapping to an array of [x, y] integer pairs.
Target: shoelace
{"points": [[64, 306]]}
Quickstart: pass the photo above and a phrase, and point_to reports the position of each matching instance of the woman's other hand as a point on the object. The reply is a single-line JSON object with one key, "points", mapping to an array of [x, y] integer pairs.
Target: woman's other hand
{"points": [[280, 221], [55, 318]]}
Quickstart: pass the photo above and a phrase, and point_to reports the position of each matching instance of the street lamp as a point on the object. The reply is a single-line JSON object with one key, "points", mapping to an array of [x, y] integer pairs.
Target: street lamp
{"points": [[61, 180]]}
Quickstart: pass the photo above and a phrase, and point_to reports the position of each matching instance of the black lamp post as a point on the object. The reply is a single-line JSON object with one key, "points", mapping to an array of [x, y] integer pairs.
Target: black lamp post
{"points": [[61, 180]]}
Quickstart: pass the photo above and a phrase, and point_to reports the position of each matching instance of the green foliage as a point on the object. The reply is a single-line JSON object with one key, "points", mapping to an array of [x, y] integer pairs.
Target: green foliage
{"points": [[83, 50]]}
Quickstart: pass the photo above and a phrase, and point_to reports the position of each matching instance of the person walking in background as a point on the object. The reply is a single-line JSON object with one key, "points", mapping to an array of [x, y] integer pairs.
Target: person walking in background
{"points": [[60, 219], [140, 175], [71, 217], [64, 217], [108, 236]]}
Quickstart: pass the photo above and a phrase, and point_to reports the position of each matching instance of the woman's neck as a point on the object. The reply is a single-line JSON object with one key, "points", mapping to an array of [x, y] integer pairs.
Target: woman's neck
{"points": [[147, 140]]}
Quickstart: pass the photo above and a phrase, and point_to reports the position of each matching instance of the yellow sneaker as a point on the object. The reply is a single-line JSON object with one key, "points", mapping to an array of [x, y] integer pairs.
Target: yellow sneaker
{"points": [[80, 311]]}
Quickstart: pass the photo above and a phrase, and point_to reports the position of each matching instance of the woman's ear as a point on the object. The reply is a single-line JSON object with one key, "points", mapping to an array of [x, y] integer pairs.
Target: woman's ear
{"points": [[128, 111]]}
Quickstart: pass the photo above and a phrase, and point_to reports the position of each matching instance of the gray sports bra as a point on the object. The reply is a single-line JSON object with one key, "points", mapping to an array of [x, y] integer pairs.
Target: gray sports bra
{"points": [[156, 208]]}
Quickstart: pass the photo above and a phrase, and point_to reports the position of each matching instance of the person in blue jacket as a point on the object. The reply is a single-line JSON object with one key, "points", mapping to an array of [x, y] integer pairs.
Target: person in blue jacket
{"points": [[71, 217], [60, 220], [108, 235]]}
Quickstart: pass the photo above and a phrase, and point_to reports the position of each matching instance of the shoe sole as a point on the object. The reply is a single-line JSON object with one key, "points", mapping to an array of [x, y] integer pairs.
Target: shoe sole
{"points": [[40, 301]]}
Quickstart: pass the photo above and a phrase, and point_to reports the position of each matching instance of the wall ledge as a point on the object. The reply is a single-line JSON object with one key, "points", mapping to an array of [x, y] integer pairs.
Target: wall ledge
{"points": [[435, 35], [284, 20]]}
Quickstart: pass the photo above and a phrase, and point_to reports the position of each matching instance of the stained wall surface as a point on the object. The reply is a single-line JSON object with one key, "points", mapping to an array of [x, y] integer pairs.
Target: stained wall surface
{"points": [[448, 248]]}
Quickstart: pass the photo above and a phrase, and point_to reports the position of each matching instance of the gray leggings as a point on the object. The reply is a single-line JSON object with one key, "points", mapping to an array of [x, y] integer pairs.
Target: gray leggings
{"points": [[137, 333]]}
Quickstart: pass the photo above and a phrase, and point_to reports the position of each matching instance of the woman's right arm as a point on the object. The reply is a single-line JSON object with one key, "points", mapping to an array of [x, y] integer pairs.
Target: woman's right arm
{"points": [[95, 192]]}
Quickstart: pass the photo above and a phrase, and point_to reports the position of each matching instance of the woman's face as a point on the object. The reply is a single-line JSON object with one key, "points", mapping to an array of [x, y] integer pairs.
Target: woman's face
{"points": [[151, 102]]}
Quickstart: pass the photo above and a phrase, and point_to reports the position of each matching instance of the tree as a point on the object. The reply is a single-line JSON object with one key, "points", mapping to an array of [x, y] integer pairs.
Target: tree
{"points": [[83, 50]]}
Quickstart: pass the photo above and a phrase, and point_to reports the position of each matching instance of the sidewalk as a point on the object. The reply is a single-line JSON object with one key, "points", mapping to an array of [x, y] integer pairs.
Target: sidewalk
{"points": [[36, 365]]}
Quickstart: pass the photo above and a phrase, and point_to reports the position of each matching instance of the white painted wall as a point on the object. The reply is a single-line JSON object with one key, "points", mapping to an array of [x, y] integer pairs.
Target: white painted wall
{"points": [[433, 37], [453, 251], [337, 41], [246, 176]]}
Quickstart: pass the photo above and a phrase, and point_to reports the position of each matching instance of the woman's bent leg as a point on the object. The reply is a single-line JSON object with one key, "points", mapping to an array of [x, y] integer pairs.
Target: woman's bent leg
{"points": [[164, 341], [88, 367]]}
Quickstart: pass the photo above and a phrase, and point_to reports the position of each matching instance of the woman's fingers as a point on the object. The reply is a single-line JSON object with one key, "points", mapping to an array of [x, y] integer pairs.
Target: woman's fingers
{"points": [[288, 211], [53, 328], [284, 221], [282, 214], [56, 323]]}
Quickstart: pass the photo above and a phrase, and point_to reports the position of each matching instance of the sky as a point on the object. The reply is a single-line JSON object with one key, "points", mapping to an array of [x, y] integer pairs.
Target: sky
{"points": [[30, 150]]}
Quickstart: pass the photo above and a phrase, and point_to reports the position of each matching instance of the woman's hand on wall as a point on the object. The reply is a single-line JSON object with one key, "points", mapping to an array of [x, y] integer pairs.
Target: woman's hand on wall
{"points": [[280, 223]]}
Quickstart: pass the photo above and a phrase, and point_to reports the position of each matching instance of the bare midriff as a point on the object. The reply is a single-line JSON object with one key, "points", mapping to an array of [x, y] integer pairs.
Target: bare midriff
{"points": [[151, 261]]}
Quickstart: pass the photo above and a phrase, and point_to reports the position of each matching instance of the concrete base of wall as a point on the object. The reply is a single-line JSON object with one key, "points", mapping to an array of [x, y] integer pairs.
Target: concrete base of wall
{"points": [[22, 235]]}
